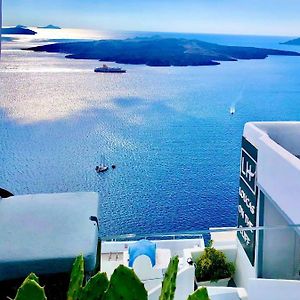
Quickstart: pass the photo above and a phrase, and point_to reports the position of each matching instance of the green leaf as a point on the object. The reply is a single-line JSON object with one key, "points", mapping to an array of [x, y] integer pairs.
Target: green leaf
{"points": [[125, 285], [33, 277], [30, 289], [95, 287], [169, 282], [200, 294], [76, 279]]}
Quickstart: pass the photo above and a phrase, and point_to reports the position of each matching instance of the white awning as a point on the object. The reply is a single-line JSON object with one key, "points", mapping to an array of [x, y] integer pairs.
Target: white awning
{"points": [[43, 233]]}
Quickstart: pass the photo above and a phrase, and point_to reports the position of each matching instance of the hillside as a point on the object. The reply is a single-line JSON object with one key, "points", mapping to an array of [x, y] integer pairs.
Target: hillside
{"points": [[17, 30], [159, 51], [293, 42]]}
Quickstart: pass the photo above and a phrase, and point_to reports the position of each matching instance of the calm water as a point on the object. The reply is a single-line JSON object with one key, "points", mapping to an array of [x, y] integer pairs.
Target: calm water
{"points": [[168, 130]]}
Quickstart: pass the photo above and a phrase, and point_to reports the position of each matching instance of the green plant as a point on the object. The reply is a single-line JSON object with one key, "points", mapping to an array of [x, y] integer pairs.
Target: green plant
{"points": [[200, 294], [30, 289], [169, 281], [76, 279], [212, 265], [124, 284], [95, 287]]}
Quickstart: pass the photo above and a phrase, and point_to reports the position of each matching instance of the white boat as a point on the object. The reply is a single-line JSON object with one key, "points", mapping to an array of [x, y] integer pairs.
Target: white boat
{"points": [[107, 69], [102, 167]]}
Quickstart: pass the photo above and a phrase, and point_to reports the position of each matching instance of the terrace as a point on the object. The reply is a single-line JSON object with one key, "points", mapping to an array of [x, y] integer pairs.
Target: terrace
{"points": [[44, 233]]}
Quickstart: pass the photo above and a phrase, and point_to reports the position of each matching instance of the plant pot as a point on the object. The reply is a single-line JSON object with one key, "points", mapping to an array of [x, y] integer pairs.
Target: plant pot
{"points": [[220, 282]]}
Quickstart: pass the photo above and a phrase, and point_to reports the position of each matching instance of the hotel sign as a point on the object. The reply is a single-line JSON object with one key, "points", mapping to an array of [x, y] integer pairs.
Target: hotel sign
{"points": [[247, 198]]}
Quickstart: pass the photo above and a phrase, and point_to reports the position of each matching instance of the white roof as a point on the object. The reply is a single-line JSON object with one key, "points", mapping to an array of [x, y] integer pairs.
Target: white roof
{"points": [[43, 233], [278, 168]]}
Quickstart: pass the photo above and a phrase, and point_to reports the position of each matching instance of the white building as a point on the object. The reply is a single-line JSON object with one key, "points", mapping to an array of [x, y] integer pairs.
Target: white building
{"points": [[269, 198]]}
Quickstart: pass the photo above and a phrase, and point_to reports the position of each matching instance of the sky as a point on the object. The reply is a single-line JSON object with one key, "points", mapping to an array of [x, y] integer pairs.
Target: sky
{"points": [[259, 17]]}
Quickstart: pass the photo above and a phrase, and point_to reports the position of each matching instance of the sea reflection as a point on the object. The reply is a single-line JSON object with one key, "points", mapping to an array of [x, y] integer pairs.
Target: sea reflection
{"points": [[64, 34], [168, 130]]}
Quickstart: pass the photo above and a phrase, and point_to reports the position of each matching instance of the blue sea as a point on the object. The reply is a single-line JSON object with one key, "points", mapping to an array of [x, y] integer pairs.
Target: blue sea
{"points": [[167, 129]]}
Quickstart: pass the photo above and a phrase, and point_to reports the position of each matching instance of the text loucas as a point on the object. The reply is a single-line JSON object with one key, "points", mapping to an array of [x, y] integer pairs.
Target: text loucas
{"points": [[247, 198]]}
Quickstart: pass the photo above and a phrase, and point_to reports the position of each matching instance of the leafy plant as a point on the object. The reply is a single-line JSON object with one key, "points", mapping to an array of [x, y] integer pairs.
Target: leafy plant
{"points": [[169, 282], [124, 284], [212, 265]]}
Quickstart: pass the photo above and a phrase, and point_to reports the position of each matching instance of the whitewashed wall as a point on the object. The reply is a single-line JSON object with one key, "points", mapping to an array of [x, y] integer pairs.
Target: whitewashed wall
{"points": [[271, 289]]}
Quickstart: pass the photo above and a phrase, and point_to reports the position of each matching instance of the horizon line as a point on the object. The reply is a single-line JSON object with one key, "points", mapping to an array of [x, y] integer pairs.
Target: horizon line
{"points": [[163, 31]]}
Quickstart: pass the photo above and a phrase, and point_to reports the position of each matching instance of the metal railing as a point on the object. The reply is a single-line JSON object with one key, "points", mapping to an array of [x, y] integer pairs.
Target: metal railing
{"points": [[194, 234]]}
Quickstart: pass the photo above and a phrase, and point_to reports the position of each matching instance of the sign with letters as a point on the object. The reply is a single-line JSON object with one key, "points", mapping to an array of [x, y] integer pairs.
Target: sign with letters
{"points": [[247, 198]]}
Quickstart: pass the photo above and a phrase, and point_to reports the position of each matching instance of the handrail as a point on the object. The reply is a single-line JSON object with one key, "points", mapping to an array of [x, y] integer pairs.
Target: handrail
{"points": [[173, 235]]}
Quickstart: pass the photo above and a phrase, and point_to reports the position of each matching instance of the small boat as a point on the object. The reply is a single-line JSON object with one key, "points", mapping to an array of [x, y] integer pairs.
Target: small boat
{"points": [[102, 167], [232, 110], [107, 69]]}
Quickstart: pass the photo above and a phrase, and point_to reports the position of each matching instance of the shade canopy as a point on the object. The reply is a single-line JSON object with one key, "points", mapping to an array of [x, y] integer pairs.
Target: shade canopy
{"points": [[43, 233]]}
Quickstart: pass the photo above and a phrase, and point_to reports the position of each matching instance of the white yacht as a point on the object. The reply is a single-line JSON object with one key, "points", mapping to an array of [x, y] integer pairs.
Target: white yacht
{"points": [[102, 167]]}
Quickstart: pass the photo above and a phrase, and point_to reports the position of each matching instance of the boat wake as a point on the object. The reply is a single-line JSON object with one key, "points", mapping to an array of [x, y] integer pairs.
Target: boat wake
{"points": [[232, 108]]}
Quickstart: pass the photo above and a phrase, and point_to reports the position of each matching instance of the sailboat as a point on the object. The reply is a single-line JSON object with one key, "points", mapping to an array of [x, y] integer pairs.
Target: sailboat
{"points": [[102, 167]]}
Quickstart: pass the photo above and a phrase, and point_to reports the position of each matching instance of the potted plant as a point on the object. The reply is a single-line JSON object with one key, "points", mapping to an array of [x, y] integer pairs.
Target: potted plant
{"points": [[212, 268]]}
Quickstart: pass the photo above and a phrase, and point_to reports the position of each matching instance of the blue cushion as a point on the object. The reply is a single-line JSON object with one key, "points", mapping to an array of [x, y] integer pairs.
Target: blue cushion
{"points": [[142, 247]]}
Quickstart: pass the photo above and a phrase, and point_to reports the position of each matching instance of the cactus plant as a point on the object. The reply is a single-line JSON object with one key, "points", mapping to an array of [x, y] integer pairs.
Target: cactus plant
{"points": [[30, 289], [95, 287], [169, 282], [124, 284], [76, 279], [200, 294], [33, 277]]}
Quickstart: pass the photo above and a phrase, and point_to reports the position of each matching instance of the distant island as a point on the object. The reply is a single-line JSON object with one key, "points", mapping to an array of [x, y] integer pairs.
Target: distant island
{"points": [[156, 51], [292, 42], [21, 26], [50, 26], [18, 30]]}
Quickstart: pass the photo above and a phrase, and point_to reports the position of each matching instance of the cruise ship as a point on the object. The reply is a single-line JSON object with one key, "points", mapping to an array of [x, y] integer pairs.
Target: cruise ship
{"points": [[264, 246], [106, 69]]}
